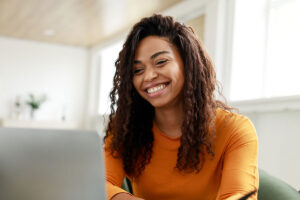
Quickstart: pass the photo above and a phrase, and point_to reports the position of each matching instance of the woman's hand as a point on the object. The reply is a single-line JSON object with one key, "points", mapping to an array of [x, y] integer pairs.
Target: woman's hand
{"points": [[125, 196]]}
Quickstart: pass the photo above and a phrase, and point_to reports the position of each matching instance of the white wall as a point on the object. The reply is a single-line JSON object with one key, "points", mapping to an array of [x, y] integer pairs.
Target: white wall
{"points": [[58, 71], [279, 136]]}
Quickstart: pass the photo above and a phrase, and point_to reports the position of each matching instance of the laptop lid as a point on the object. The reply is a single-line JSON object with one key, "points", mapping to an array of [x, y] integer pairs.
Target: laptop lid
{"points": [[51, 165]]}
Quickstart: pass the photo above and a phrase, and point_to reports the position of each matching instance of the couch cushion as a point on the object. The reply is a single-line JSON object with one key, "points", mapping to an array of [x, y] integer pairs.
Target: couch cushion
{"points": [[271, 188]]}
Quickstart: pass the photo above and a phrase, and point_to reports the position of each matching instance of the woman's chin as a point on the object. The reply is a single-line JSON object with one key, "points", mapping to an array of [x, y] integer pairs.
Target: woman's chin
{"points": [[158, 103]]}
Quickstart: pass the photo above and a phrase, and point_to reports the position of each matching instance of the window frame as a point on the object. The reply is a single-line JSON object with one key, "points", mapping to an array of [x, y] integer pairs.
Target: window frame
{"points": [[266, 104]]}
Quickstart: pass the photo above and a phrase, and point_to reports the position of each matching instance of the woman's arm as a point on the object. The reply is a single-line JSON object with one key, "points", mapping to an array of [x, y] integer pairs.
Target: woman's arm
{"points": [[114, 175], [240, 171], [114, 179]]}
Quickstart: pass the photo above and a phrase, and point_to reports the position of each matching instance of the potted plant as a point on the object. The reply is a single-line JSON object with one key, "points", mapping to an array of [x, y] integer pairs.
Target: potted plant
{"points": [[35, 104]]}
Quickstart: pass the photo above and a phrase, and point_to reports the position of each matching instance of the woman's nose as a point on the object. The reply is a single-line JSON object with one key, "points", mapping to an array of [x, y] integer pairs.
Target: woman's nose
{"points": [[150, 74]]}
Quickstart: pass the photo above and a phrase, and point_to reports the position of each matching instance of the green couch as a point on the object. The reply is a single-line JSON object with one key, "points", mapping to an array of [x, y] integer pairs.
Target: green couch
{"points": [[270, 188]]}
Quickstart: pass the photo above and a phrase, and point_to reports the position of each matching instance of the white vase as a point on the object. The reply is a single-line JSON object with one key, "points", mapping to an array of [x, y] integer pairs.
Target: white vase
{"points": [[32, 113]]}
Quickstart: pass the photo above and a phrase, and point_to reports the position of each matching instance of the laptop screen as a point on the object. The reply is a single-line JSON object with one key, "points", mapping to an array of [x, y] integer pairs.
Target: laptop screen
{"points": [[51, 164]]}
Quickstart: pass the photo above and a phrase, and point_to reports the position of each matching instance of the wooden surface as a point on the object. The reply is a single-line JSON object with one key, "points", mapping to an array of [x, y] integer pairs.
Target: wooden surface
{"points": [[73, 22]]}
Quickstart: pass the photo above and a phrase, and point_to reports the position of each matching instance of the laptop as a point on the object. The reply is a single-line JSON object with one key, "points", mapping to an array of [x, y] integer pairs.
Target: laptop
{"points": [[51, 165]]}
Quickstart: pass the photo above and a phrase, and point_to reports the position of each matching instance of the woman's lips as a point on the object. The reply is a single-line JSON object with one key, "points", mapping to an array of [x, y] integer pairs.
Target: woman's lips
{"points": [[156, 90]]}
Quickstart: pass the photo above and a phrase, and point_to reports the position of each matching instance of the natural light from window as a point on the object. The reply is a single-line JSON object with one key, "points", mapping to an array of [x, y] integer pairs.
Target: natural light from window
{"points": [[266, 42], [283, 58]]}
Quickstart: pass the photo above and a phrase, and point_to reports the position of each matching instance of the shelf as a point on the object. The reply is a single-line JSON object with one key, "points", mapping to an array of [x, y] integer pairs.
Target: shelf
{"points": [[39, 124]]}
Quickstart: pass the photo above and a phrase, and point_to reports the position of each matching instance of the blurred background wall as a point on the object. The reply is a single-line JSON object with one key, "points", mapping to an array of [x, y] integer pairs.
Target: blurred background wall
{"points": [[66, 50], [43, 68]]}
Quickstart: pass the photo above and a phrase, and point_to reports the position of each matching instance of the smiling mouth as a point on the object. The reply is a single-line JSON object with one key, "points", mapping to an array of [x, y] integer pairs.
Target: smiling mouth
{"points": [[156, 88]]}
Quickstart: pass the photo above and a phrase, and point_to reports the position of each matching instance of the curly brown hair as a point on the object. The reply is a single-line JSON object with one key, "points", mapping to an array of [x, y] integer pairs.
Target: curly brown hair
{"points": [[131, 120]]}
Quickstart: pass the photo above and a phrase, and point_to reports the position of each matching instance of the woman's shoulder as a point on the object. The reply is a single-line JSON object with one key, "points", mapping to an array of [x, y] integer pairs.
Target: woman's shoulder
{"points": [[233, 124], [230, 118]]}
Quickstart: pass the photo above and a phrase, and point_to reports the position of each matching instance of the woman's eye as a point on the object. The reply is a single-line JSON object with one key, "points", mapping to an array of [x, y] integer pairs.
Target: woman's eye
{"points": [[137, 71], [160, 62]]}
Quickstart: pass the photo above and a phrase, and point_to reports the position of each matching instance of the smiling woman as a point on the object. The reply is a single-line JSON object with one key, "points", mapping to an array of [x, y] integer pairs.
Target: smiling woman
{"points": [[167, 132], [158, 72]]}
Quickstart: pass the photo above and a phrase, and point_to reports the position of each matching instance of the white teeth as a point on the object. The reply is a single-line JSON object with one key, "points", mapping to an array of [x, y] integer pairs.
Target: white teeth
{"points": [[155, 89]]}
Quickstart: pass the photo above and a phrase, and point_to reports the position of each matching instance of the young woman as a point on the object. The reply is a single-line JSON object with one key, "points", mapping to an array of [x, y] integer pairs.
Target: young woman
{"points": [[167, 132]]}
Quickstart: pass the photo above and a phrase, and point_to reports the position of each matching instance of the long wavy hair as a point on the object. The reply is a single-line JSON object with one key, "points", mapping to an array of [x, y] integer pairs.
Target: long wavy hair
{"points": [[129, 130]]}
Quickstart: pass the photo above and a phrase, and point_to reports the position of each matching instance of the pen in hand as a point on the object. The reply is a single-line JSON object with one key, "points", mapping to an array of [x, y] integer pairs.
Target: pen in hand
{"points": [[248, 195]]}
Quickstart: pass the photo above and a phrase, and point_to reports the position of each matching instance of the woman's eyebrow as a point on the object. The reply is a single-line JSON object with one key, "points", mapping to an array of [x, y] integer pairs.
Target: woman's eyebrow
{"points": [[152, 57], [158, 53]]}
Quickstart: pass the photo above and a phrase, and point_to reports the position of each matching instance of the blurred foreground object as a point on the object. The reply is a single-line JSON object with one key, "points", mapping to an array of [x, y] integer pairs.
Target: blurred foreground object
{"points": [[51, 165]]}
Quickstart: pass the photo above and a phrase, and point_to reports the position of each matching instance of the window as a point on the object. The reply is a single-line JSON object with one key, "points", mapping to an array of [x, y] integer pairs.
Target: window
{"points": [[283, 50], [266, 42], [108, 56]]}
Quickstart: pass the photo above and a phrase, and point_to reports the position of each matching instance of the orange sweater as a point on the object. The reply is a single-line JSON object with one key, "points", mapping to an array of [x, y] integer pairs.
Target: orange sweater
{"points": [[230, 174]]}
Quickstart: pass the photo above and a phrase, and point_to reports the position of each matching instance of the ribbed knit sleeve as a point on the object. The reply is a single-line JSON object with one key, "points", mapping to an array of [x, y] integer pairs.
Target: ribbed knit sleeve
{"points": [[240, 171], [114, 175]]}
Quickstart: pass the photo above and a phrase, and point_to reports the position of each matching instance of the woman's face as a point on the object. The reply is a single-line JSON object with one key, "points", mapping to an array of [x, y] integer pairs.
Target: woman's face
{"points": [[158, 74]]}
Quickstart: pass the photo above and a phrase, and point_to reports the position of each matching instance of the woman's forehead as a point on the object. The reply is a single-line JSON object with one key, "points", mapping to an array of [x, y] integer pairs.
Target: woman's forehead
{"points": [[151, 45]]}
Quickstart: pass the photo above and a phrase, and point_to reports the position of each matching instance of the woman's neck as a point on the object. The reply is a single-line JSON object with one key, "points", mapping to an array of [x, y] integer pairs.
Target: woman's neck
{"points": [[169, 120]]}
